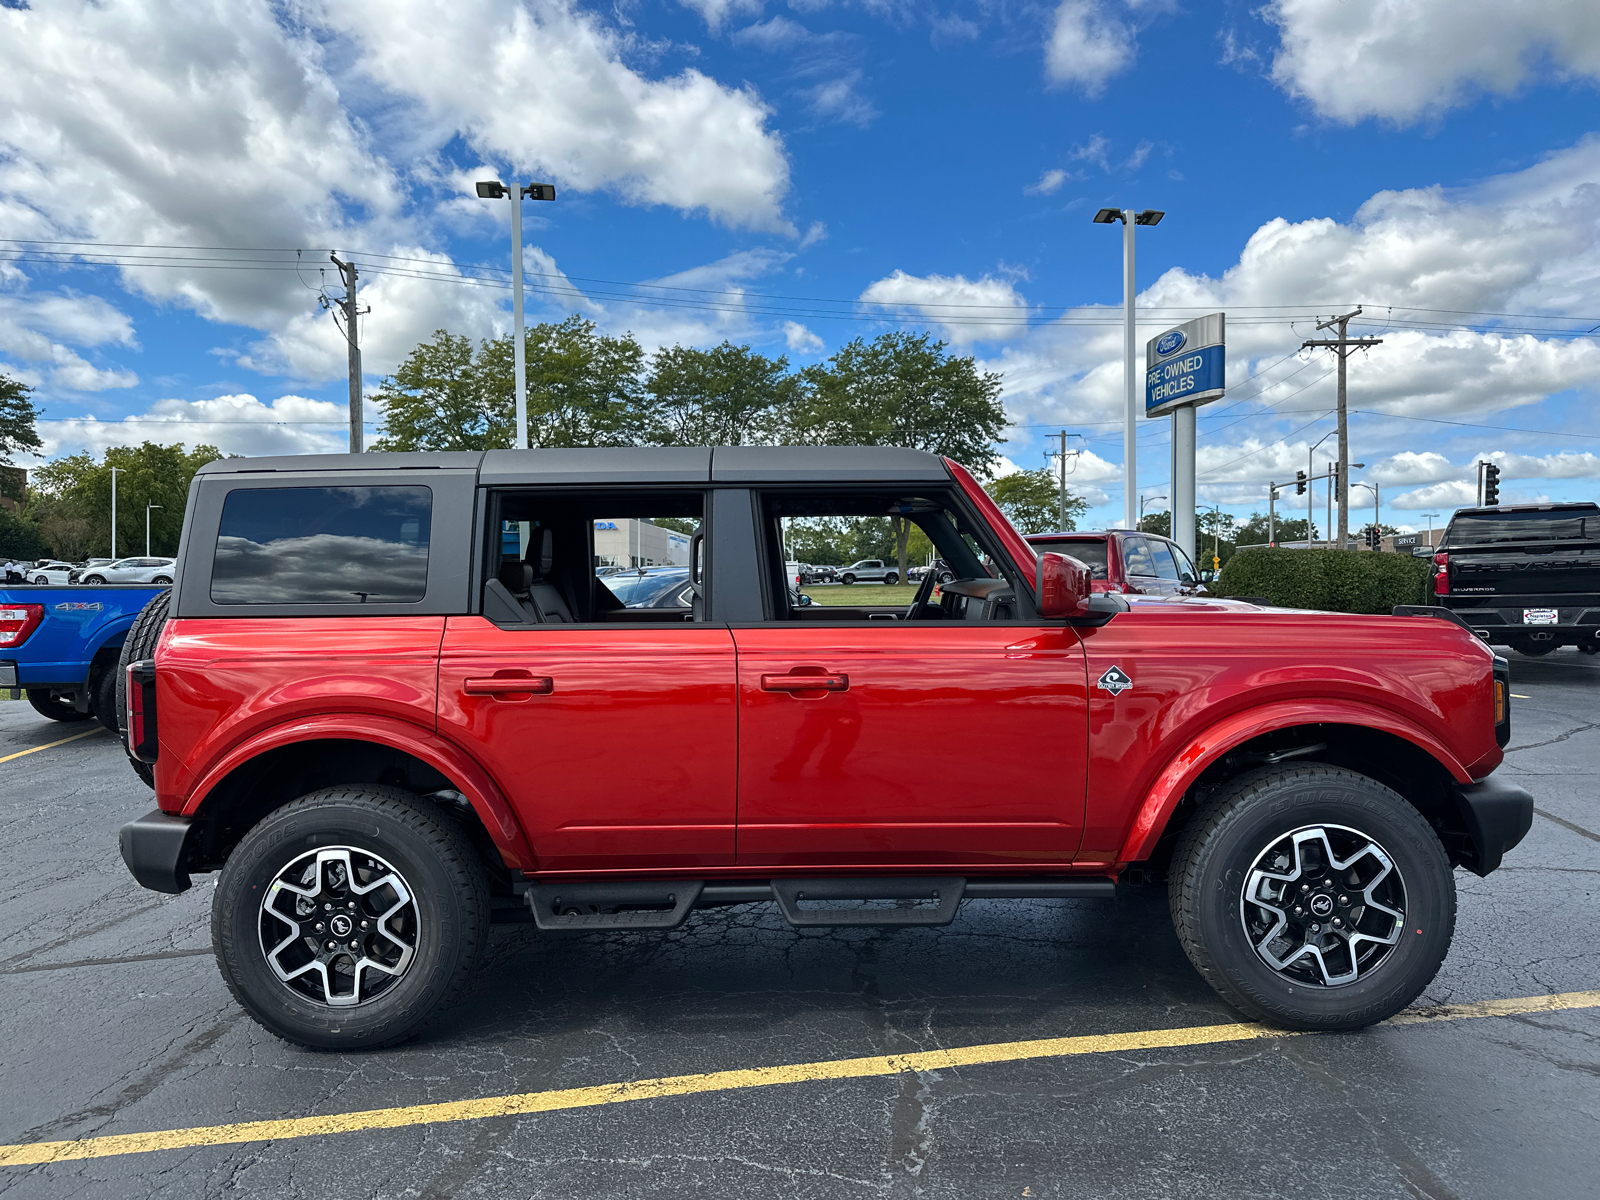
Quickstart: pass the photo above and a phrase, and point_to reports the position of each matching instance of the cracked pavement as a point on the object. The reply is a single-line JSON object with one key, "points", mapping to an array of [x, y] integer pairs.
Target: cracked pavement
{"points": [[114, 1020]]}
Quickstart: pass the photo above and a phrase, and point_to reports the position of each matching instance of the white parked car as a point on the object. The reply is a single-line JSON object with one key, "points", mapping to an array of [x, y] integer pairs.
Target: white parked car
{"points": [[51, 572], [132, 570]]}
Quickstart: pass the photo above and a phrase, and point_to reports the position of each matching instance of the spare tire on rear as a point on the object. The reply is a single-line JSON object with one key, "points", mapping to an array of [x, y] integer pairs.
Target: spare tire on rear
{"points": [[140, 644]]}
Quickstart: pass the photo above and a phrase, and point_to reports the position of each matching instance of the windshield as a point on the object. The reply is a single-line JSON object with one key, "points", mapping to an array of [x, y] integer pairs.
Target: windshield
{"points": [[639, 590], [1570, 525], [1091, 552]]}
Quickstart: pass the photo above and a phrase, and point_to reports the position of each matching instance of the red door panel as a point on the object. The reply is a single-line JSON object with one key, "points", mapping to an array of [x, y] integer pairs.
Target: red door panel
{"points": [[910, 744], [616, 747]]}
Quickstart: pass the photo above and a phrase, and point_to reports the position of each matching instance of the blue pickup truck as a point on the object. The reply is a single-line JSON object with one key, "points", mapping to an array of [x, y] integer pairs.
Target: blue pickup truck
{"points": [[59, 645]]}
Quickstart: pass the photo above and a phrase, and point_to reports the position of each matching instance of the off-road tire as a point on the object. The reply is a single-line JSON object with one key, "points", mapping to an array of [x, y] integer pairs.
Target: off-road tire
{"points": [[139, 644], [439, 864], [57, 708], [1217, 848]]}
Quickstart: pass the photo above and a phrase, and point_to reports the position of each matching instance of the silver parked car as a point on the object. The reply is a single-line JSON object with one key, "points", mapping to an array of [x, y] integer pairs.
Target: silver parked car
{"points": [[869, 570], [132, 570]]}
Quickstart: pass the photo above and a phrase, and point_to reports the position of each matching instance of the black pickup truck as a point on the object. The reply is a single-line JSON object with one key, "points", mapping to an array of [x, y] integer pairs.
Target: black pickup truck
{"points": [[1524, 576]]}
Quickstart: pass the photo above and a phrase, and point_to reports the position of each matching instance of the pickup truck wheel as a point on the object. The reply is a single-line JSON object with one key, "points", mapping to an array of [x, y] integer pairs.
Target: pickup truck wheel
{"points": [[1312, 897], [891, 579], [350, 918], [104, 698], [57, 708], [847, 578]]}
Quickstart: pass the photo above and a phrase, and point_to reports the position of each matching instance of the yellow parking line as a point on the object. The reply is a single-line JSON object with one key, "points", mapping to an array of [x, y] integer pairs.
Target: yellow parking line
{"points": [[727, 1081], [52, 745], [1520, 696]]}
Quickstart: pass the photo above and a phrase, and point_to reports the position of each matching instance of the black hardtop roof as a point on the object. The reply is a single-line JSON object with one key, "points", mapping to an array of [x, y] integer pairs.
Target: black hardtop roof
{"points": [[628, 464], [1571, 506]]}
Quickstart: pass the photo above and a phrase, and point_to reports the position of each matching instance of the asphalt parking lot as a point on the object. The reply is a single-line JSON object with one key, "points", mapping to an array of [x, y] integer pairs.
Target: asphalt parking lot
{"points": [[114, 1021]]}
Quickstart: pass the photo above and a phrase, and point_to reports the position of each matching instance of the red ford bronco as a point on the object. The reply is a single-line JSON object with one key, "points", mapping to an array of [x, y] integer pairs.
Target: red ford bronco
{"points": [[390, 699]]}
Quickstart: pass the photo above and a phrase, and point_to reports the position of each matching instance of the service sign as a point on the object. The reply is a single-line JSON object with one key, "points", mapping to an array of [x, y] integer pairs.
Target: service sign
{"points": [[1186, 365]]}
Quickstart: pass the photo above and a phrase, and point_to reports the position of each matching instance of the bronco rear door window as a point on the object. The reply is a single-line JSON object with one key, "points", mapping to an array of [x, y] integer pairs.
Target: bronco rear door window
{"points": [[323, 545]]}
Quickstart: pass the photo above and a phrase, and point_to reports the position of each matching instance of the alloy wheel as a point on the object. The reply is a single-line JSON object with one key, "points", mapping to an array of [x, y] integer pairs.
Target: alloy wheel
{"points": [[339, 926], [1323, 905]]}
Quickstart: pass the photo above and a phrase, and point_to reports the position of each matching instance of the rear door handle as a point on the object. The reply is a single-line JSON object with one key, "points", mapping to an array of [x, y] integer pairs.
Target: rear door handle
{"points": [[501, 685], [805, 683]]}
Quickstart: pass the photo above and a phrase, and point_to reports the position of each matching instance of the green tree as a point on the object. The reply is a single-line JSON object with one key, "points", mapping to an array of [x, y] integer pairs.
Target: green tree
{"points": [[1156, 522], [438, 400], [21, 538], [726, 396], [1254, 531], [1031, 500], [78, 486], [584, 389], [17, 429]]}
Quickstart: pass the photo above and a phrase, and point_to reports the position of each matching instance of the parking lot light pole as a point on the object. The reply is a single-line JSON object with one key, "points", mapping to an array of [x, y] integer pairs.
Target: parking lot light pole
{"points": [[493, 189], [147, 509], [1130, 446], [114, 471], [1430, 517], [1311, 491], [1143, 500]]}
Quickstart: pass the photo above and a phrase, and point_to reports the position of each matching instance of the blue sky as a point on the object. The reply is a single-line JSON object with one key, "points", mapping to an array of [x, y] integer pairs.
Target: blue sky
{"points": [[819, 170]]}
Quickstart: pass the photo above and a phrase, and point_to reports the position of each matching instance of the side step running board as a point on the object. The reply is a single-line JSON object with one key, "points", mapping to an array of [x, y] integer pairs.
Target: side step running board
{"points": [[646, 904], [917, 899], [945, 893]]}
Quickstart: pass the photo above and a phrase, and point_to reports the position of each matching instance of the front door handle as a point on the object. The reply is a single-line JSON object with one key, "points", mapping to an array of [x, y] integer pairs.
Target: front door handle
{"points": [[805, 683], [505, 685]]}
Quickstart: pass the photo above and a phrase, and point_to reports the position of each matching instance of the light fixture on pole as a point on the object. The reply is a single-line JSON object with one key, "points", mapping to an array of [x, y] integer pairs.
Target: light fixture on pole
{"points": [[1430, 517], [1377, 529], [1143, 500], [1130, 465], [493, 189], [114, 471], [147, 509]]}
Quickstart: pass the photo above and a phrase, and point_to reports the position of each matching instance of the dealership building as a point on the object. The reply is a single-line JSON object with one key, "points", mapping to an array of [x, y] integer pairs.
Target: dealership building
{"points": [[638, 543]]}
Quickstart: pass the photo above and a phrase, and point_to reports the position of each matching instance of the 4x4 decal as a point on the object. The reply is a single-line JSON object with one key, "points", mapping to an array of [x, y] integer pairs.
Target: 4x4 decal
{"points": [[1114, 681]]}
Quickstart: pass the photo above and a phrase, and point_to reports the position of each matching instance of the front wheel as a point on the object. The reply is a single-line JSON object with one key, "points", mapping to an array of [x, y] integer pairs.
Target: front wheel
{"points": [[41, 581], [1313, 897], [57, 708], [350, 918], [847, 579]]}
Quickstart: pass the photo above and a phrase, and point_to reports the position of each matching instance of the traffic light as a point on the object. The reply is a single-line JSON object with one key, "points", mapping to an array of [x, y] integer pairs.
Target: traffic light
{"points": [[1334, 476], [1374, 538], [1491, 484], [1299, 483]]}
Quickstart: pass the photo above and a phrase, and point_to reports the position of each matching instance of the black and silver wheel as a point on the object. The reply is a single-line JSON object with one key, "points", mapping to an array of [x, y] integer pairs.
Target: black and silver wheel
{"points": [[847, 578], [95, 579], [350, 918], [891, 578], [162, 581], [1313, 897], [57, 708]]}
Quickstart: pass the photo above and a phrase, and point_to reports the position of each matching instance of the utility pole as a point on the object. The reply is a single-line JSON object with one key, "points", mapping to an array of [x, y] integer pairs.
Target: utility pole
{"points": [[114, 471], [347, 272], [1342, 345], [1061, 515]]}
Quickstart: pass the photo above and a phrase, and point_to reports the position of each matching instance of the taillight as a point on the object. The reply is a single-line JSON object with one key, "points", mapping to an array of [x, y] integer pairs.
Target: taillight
{"points": [[1441, 574], [17, 621], [142, 710]]}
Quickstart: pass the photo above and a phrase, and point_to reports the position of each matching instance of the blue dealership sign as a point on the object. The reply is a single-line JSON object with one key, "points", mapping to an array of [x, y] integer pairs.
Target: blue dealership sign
{"points": [[1186, 365]]}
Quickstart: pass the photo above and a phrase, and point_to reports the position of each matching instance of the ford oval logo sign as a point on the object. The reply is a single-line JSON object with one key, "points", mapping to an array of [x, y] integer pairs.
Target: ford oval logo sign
{"points": [[1170, 342]]}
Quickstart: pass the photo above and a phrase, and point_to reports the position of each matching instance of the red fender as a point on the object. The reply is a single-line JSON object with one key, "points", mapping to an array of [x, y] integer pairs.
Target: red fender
{"points": [[443, 756], [1203, 750]]}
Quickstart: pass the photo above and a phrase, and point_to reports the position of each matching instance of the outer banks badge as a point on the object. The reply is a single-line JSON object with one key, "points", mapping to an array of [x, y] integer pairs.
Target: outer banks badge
{"points": [[1115, 681]]}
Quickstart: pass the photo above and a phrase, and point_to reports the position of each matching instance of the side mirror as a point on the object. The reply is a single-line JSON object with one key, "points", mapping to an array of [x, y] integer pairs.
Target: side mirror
{"points": [[1062, 586]]}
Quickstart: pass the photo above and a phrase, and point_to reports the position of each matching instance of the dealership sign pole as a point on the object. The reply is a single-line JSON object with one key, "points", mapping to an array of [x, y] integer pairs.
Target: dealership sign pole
{"points": [[1185, 367]]}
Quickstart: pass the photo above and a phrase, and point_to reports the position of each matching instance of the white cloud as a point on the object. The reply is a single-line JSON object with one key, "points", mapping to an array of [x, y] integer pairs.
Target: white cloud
{"points": [[543, 85], [1353, 59], [966, 310], [1048, 184], [239, 424], [716, 12], [800, 339], [1087, 47], [38, 331], [817, 233], [840, 99]]}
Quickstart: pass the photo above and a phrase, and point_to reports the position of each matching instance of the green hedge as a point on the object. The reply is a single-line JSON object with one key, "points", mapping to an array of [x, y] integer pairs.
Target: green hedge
{"points": [[1352, 581]]}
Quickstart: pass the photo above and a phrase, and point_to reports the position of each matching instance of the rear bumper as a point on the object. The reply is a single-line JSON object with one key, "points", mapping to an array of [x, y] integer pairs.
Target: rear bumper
{"points": [[156, 849], [1498, 816], [1503, 624]]}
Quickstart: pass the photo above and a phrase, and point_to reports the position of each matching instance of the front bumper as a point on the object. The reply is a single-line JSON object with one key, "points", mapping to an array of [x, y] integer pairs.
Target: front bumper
{"points": [[1498, 816], [156, 848]]}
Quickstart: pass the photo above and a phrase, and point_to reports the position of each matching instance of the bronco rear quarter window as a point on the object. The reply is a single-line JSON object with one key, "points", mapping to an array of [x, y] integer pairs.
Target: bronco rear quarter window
{"points": [[323, 545]]}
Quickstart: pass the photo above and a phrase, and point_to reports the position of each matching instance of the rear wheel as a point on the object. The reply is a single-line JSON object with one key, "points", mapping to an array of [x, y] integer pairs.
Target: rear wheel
{"points": [[1313, 897], [93, 579], [891, 578], [351, 918], [104, 697], [57, 708], [162, 581]]}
